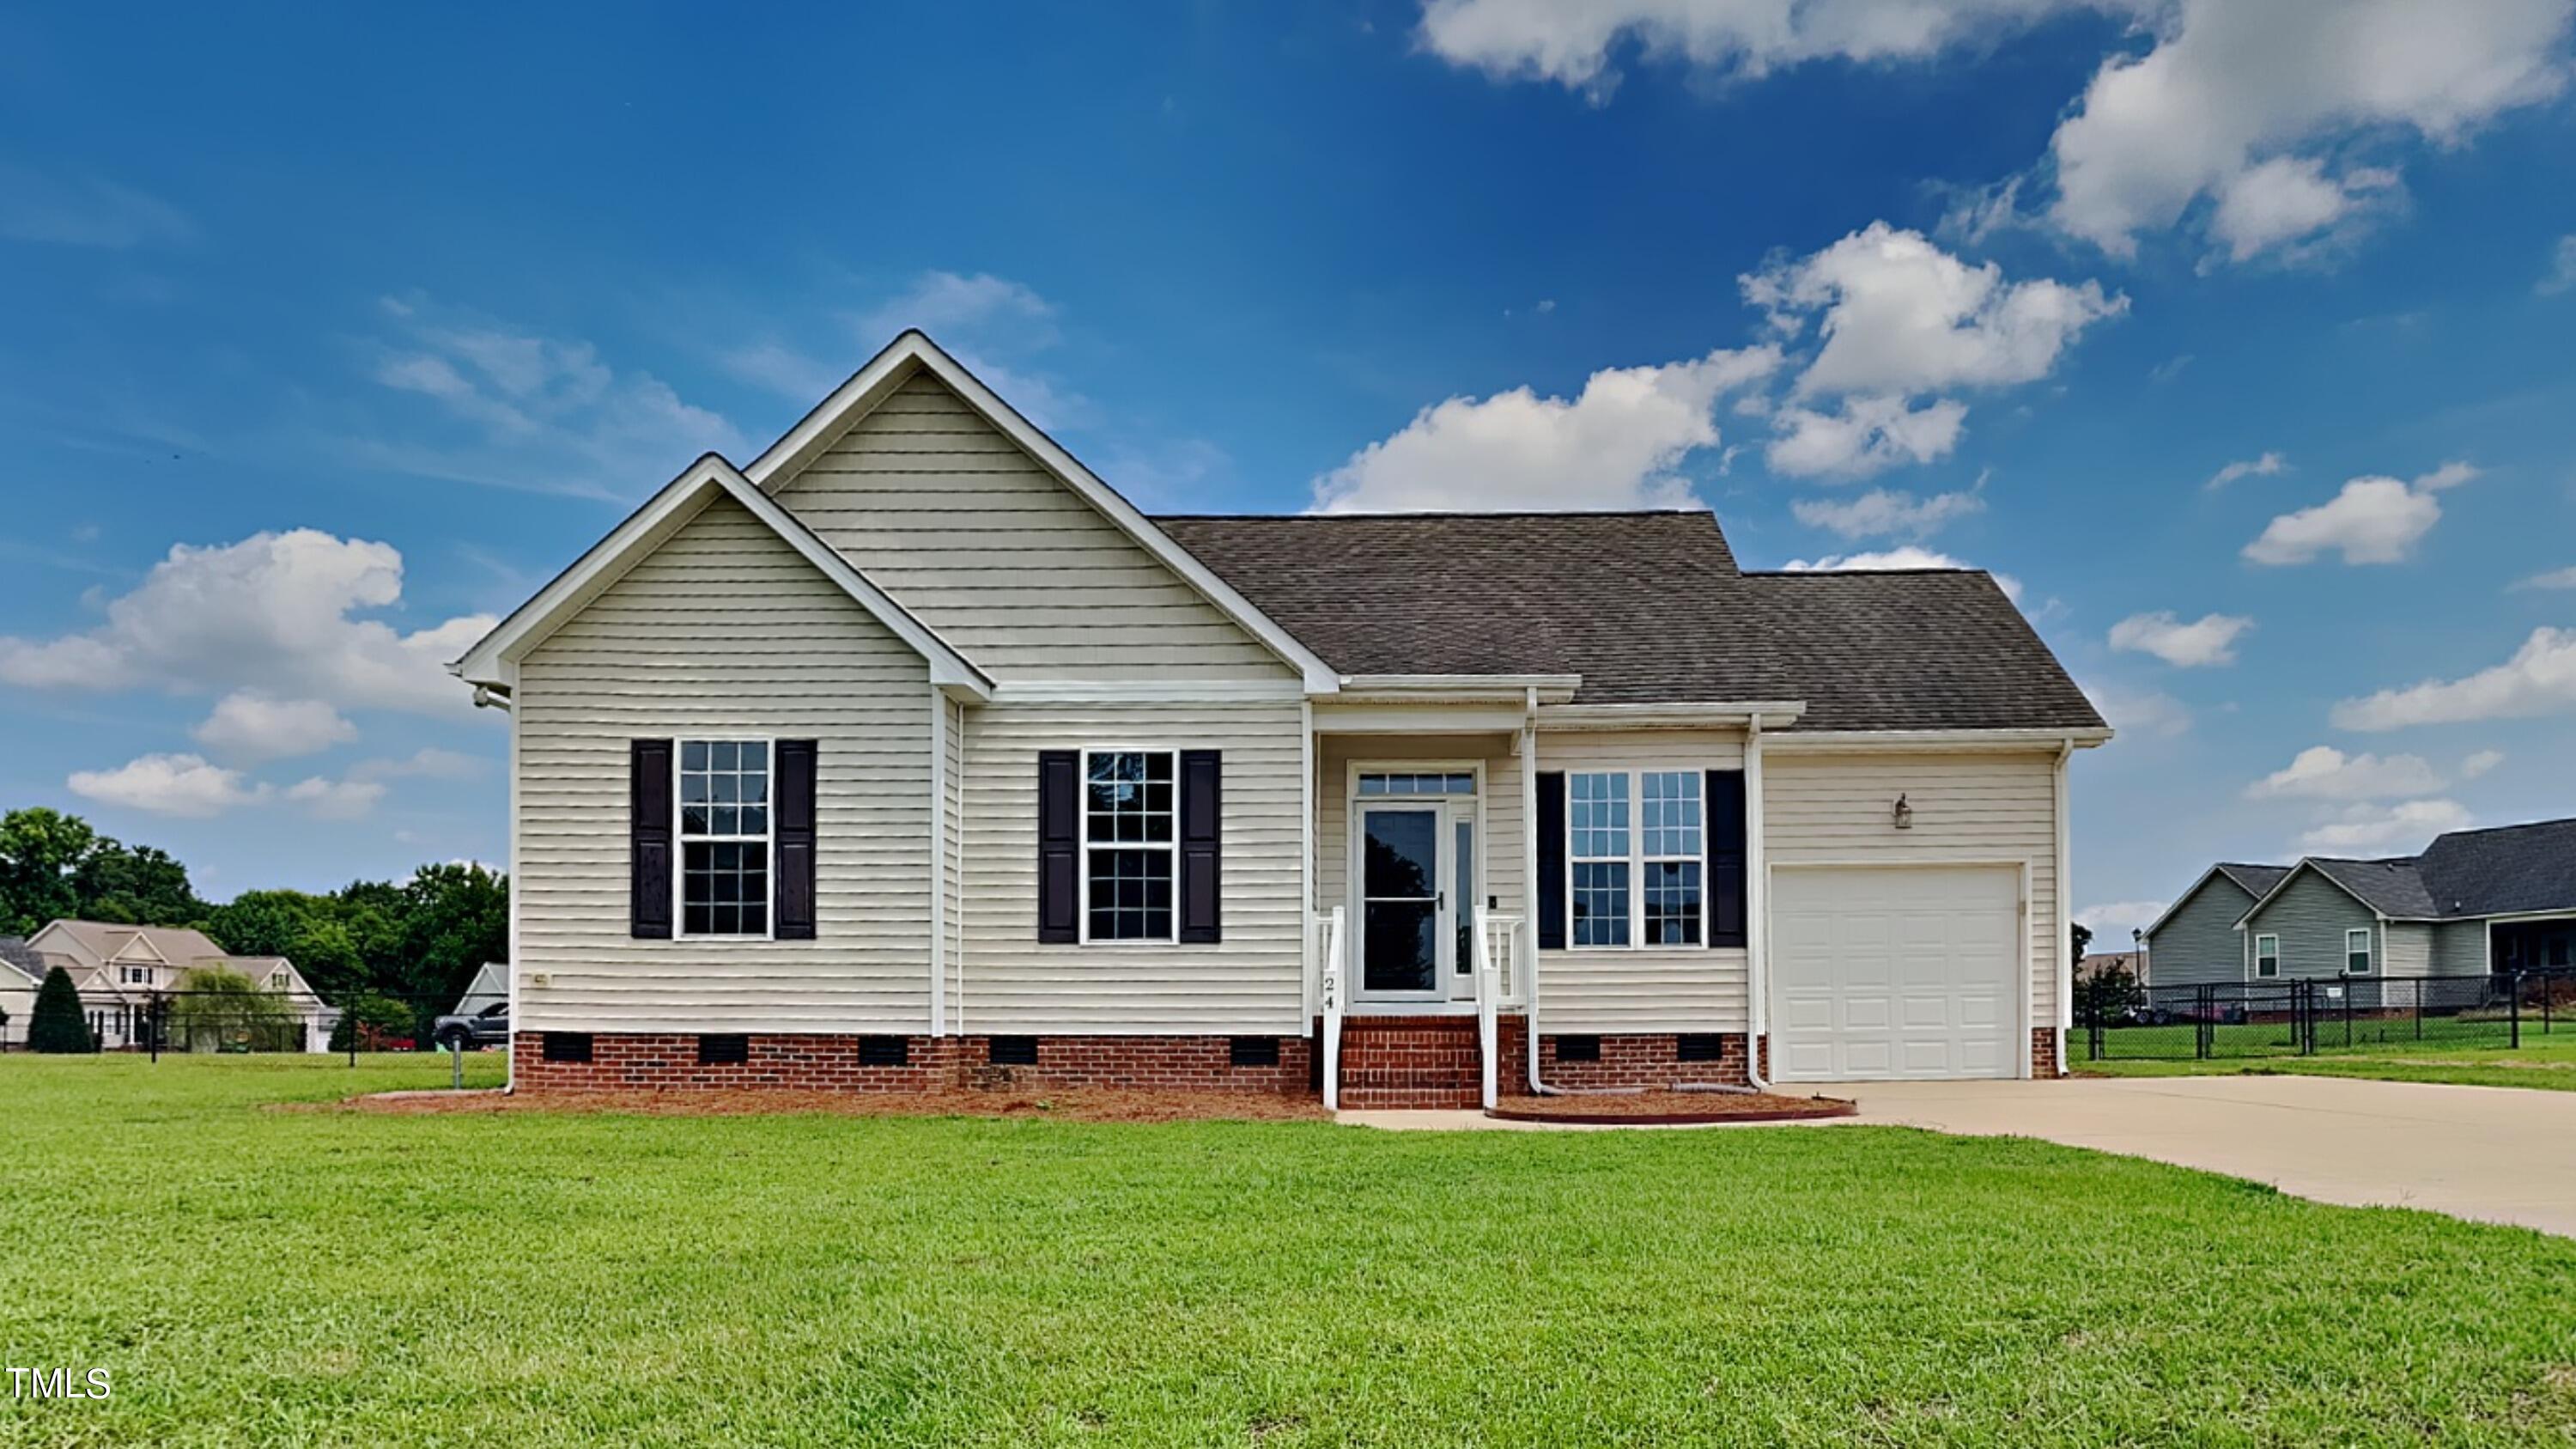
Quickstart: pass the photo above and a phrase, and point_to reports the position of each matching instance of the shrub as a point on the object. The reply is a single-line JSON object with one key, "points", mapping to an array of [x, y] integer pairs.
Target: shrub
{"points": [[377, 1021], [57, 1024], [218, 1009]]}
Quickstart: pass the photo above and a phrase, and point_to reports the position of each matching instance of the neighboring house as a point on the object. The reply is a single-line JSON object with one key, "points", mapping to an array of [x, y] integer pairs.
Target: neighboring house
{"points": [[2475, 901], [911, 750], [120, 969], [491, 984], [2194, 942], [2102, 963], [21, 972]]}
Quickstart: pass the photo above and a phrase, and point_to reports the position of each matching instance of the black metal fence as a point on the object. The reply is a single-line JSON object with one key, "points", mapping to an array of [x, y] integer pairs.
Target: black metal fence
{"points": [[262, 1021], [2124, 1022]]}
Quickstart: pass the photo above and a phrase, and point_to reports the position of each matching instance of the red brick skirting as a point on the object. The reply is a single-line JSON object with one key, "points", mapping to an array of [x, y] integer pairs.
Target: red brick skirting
{"points": [[1410, 1061], [1646, 1060], [2043, 1051], [830, 1062]]}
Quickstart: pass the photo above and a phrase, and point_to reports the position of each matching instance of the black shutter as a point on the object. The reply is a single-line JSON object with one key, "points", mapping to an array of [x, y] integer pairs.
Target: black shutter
{"points": [[1060, 845], [792, 871], [648, 839], [1550, 888], [1202, 825], [1725, 839]]}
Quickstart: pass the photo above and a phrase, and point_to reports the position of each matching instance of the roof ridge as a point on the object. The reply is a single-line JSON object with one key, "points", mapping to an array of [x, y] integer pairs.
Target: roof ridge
{"points": [[1673, 512]]}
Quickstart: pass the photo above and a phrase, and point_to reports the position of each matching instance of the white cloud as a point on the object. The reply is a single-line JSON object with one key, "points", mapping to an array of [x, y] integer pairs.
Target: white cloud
{"points": [[1898, 315], [2139, 711], [2479, 763], [1903, 556], [526, 411], [1867, 435], [2562, 268], [2211, 639], [429, 762], [1614, 445], [2374, 520], [1882, 511], [336, 799], [183, 785], [2554, 579], [85, 211], [2249, 105], [2374, 829], [2539, 679], [2322, 772], [272, 614], [2112, 921], [2263, 467], [1573, 45], [249, 725], [943, 301]]}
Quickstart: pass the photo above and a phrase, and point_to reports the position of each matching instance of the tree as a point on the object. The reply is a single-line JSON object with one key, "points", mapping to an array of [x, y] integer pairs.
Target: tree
{"points": [[376, 1021], [2082, 935], [57, 1024], [456, 917], [218, 1009], [41, 851], [142, 884]]}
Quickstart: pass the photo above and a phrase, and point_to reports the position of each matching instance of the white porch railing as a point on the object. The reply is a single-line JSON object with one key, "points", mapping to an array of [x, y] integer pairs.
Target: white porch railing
{"points": [[1499, 980], [1331, 995]]}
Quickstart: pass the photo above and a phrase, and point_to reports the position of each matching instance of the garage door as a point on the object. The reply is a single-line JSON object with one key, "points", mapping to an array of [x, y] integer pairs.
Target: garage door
{"points": [[1880, 974]]}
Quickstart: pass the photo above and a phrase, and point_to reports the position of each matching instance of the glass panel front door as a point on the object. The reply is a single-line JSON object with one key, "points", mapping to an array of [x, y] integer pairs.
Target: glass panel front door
{"points": [[1400, 900]]}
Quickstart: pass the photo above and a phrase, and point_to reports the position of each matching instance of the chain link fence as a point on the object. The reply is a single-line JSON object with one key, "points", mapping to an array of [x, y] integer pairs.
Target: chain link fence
{"points": [[372, 1024], [2121, 1021]]}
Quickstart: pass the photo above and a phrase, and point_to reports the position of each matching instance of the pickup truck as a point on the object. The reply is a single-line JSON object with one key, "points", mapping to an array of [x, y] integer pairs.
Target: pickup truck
{"points": [[488, 1027]]}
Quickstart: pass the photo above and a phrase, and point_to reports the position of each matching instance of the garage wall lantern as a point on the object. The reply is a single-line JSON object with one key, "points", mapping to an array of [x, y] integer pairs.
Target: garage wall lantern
{"points": [[1904, 814]]}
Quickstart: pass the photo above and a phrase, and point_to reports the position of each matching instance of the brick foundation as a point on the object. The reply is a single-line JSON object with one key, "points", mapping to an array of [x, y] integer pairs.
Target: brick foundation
{"points": [[1645, 1060], [2043, 1052], [623, 1061], [1410, 1061]]}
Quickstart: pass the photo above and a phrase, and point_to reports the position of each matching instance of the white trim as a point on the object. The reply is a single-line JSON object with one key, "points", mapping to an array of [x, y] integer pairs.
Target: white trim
{"points": [[1635, 772], [2505, 916], [1354, 884], [518, 891], [2029, 971], [1934, 740], [494, 659], [1148, 691], [939, 863], [2257, 967], [1670, 714], [913, 351], [680, 839], [1336, 717], [2307, 863], [1526, 746], [1757, 911], [2063, 864], [1309, 966], [2369, 949], [1082, 858]]}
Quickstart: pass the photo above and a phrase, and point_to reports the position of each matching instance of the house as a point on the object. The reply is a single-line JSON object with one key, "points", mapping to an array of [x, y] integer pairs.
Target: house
{"points": [[2475, 902], [21, 972], [490, 986], [2104, 963], [120, 970], [910, 752]]}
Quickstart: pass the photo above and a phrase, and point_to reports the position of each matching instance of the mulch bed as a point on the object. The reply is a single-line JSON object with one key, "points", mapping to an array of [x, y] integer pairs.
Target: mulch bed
{"points": [[1673, 1108], [1084, 1105]]}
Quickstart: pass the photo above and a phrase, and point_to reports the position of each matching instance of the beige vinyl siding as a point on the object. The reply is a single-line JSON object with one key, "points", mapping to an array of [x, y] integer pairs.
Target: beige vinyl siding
{"points": [[977, 540], [1641, 988], [1837, 806], [724, 631], [952, 855], [1498, 811], [2198, 944], [2310, 914], [1252, 982]]}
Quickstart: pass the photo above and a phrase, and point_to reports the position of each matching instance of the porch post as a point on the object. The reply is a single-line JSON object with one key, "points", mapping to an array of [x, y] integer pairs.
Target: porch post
{"points": [[1308, 971], [1530, 883]]}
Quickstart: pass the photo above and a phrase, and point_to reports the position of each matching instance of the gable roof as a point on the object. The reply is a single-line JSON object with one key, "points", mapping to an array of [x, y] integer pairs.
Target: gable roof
{"points": [[1645, 607], [2256, 881], [2392, 887], [2502, 871], [494, 659], [19, 957], [913, 352], [175, 945]]}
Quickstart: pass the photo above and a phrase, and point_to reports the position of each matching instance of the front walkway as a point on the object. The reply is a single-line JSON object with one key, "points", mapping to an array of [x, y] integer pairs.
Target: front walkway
{"points": [[2490, 1154]]}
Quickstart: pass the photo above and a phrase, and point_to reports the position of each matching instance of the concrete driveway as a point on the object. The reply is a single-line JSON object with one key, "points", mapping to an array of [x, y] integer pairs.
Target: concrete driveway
{"points": [[2491, 1154]]}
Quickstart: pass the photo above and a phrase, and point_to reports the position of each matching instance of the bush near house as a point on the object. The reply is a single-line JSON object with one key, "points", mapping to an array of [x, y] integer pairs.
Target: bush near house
{"points": [[379, 1023], [57, 1024], [224, 1010]]}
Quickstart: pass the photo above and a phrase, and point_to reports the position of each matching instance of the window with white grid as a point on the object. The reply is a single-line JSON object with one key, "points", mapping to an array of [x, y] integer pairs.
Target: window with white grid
{"points": [[1670, 855], [1130, 839], [1636, 881], [1598, 837], [724, 837]]}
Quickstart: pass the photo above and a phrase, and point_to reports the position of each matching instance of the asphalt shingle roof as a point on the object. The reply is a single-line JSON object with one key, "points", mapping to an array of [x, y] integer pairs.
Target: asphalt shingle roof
{"points": [[2500, 871], [2256, 879], [17, 955], [2390, 887], [1646, 607]]}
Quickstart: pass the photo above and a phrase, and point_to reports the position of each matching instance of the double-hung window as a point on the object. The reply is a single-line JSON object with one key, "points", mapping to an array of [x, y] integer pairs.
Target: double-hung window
{"points": [[724, 837], [1640, 881], [2267, 955], [1130, 843], [1598, 840], [2356, 951]]}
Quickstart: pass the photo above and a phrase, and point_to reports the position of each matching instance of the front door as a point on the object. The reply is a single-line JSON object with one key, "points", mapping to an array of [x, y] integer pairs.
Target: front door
{"points": [[1404, 908]]}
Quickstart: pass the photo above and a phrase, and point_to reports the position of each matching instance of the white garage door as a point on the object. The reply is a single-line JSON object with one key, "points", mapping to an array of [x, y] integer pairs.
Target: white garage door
{"points": [[1879, 974]]}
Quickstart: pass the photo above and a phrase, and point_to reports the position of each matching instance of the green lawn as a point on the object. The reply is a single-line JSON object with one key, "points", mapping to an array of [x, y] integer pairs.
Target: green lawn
{"points": [[261, 1277], [2464, 1055]]}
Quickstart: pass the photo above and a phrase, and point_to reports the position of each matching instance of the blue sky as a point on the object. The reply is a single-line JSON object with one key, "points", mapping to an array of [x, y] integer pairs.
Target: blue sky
{"points": [[328, 335]]}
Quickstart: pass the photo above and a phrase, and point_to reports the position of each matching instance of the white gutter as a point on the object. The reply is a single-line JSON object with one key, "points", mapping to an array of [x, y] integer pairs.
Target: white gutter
{"points": [[1757, 912], [1941, 739], [1687, 714], [1529, 869], [2065, 913]]}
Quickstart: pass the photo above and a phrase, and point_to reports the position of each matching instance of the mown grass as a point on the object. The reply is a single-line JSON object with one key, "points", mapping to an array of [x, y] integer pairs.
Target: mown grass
{"points": [[255, 1276], [2545, 1061]]}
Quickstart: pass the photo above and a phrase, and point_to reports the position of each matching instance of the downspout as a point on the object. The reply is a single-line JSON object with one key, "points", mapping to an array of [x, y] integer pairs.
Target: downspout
{"points": [[2065, 912], [486, 697], [1757, 911]]}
